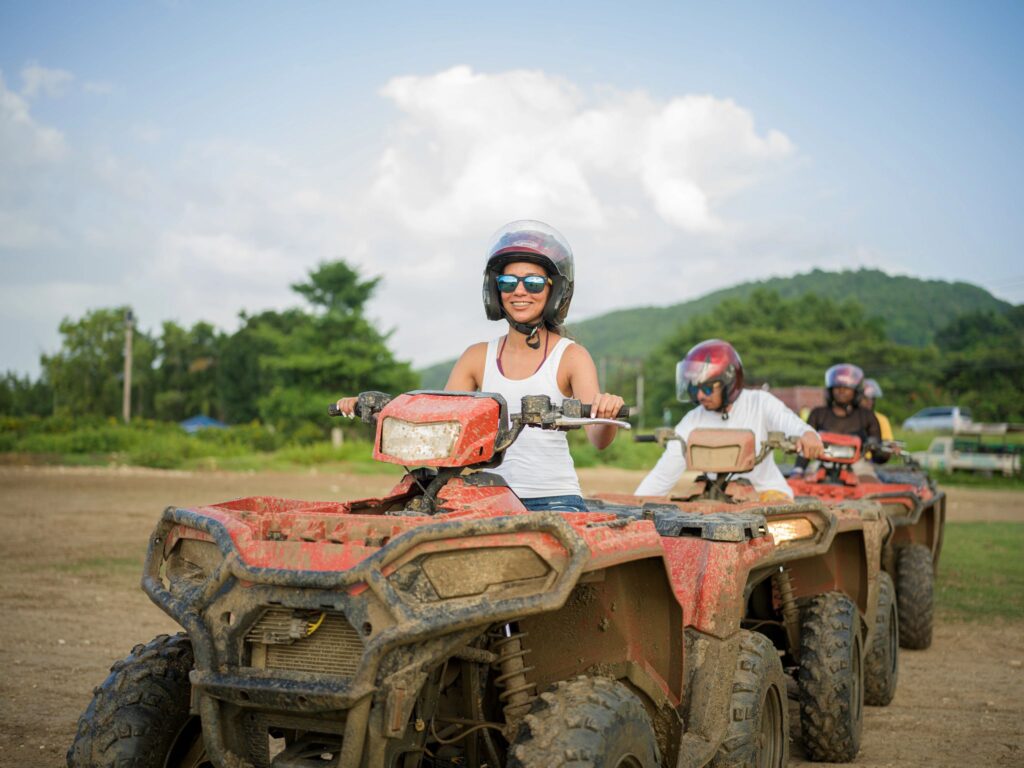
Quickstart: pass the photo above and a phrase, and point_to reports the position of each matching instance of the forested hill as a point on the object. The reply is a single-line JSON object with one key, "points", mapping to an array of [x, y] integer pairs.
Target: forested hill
{"points": [[912, 309]]}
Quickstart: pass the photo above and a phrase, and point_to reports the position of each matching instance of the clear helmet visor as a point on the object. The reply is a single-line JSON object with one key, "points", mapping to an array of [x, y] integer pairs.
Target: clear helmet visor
{"points": [[844, 375], [690, 374], [533, 238]]}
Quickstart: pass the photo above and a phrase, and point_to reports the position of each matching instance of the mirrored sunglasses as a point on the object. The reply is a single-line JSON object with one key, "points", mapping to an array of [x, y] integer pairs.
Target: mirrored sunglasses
{"points": [[707, 389], [532, 283]]}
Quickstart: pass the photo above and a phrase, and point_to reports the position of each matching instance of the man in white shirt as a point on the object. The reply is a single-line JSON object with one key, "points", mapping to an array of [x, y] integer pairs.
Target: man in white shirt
{"points": [[712, 375]]}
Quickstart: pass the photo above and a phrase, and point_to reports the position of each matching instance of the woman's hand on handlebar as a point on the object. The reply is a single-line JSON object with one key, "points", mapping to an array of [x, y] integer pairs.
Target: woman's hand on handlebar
{"points": [[347, 406], [810, 445], [606, 406]]}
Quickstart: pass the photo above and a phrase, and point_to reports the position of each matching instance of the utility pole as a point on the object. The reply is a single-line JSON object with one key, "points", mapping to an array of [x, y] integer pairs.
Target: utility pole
{"points": [[640, 399], [126, 399]]}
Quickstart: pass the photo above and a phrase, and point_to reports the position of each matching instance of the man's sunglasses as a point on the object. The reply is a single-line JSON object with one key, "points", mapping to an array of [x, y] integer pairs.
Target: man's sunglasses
{"points": [[532, 283], [707, 389]]}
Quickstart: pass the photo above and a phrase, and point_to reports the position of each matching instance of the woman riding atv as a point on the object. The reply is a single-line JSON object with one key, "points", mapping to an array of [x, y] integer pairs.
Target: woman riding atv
{"points": [[528, 281]]}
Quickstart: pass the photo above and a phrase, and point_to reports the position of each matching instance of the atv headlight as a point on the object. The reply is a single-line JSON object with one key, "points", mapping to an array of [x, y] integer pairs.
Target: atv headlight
{"points": [[190, 563], [411, 442], [792, 529], [841, 452], [497, 571]]}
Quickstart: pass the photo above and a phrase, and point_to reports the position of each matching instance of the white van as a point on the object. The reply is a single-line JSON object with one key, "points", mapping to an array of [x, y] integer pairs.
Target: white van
{"points": [[945, 418]]}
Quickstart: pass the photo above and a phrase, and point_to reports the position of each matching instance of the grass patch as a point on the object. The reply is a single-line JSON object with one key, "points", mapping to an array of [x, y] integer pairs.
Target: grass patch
{"points": [[102, 565], [981, 571], [978, 480]]}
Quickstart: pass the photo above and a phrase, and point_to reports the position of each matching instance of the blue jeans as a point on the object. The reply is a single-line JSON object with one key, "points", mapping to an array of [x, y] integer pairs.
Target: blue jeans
{"points": [[571, 503]]}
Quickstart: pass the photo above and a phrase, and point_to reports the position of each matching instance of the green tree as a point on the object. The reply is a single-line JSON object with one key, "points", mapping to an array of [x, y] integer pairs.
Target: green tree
{"points": [[284, 367], [983, 364], [186, 371], [86, 375], [333, 351], [786, 342], [240, 379], [20, 396]]}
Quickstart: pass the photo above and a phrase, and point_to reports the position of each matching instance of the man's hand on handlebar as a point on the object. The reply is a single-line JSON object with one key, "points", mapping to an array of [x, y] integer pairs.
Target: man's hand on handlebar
{"points": [[810, 445]]}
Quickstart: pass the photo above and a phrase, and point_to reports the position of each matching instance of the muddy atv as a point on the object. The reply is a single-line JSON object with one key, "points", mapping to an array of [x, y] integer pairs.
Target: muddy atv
{"points": [[917, 510], [444, 625], [820, 596]]}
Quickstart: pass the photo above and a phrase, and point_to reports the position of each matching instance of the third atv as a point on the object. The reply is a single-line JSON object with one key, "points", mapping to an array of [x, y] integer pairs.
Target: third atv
{"points": [[917, 510]]}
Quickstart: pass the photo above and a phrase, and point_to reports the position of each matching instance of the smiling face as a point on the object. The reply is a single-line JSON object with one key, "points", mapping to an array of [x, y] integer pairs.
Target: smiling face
{"points": [[520, 305]]}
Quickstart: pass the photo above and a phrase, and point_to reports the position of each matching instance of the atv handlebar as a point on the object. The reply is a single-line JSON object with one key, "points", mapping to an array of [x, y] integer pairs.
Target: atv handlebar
{"points": [[661, 436], [536, 410], [368, 405], [624, 412]]}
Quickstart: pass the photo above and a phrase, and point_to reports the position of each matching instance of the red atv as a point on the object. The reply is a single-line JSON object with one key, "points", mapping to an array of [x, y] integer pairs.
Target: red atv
{"points": [[915, 507], [841, 566], [445, 625]]}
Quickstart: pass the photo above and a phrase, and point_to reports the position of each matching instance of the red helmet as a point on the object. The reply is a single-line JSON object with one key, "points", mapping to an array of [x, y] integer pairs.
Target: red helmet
{"points": [[538, 243], [710, 361], [844, 375]]}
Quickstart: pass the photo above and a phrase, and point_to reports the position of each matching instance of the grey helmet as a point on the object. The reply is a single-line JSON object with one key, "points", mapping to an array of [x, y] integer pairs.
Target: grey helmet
{"points": [[537, 243]]}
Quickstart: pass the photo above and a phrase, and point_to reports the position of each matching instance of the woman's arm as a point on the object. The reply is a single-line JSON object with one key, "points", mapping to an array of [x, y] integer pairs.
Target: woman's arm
{"points": [[468, 372], [581, 377]]}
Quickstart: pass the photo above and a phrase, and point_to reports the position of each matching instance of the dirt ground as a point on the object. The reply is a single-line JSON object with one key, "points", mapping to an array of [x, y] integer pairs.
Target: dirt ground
{"points": [[71, 547]]}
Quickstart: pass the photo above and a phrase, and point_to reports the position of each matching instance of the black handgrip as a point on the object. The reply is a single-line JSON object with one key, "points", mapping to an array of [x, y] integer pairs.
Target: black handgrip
{"points": [[645, 439], [332, 410], [622, 414]]}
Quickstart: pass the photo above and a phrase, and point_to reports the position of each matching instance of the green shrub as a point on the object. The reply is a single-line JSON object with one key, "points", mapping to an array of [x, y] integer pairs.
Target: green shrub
{"points": [[307, 433], [623, 452], [160, 451]]}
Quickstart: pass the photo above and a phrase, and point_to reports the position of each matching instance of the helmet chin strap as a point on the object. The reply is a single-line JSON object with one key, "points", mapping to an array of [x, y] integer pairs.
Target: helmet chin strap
{"points": [[529, 331]]}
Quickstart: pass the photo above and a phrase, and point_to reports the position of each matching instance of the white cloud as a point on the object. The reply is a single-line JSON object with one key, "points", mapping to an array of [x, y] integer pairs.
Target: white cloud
{"points": [[643, 188], [44, 80], [474, 146], [23, 141]]}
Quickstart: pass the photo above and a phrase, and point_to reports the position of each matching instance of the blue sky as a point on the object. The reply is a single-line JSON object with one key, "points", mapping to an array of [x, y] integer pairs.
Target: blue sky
{"points": [[194, 159]]}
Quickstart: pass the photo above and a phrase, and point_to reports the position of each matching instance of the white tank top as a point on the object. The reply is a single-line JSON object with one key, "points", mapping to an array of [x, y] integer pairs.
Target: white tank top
{"points": [[538, 463]]}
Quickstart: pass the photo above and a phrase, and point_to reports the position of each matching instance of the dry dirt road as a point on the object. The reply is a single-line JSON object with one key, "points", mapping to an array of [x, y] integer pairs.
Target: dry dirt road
{"points": [[71, 543]]}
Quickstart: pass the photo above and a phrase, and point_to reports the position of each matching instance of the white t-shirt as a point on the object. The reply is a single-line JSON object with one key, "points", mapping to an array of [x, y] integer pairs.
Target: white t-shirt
{"points": [[758, 411], [538, 463]]}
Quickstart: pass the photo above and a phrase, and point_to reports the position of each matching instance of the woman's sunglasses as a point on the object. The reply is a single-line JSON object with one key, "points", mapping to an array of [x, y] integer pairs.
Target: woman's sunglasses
{"points": [[707, 389], [532, 283]]}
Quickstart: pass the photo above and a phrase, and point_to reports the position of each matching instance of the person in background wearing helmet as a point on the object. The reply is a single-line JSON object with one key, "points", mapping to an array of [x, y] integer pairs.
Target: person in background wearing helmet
{"points": [[871, 395], [528, 282], [843, 414], [711, 375]]}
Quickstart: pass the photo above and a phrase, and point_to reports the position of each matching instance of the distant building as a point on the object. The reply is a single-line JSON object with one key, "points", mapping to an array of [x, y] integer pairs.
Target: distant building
{"points": [[800, 400]]}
